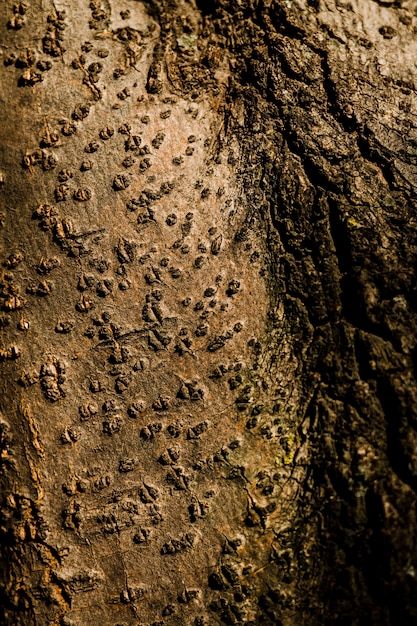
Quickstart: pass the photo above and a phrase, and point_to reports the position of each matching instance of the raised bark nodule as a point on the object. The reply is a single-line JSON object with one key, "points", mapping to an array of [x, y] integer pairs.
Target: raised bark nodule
{"points": [[208, 312]]}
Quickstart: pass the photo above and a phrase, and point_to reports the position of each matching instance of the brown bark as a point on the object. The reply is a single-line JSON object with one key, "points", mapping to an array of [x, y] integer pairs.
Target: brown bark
{"points": [[209, 313]]}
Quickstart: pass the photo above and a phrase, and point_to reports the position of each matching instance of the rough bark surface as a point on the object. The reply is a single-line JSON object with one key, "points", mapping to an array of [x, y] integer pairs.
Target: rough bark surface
{"points": [[208, 319]]}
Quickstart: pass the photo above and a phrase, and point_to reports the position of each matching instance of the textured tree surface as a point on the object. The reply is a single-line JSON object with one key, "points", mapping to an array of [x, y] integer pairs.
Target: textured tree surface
{"points": [[208, 295]]}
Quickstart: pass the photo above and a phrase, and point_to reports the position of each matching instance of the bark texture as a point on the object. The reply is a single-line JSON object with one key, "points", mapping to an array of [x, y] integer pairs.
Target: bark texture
{"points": [[208, 319]]}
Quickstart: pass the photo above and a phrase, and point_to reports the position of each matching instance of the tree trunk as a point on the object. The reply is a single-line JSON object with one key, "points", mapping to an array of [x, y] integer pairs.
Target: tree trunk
{"points": [[208, 312]]}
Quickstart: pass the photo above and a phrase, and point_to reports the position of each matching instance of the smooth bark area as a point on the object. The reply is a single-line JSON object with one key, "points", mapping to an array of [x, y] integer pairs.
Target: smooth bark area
{"points": [[208, 294]]}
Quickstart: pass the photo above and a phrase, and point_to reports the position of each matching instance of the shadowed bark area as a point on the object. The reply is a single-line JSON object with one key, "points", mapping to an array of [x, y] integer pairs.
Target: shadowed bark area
{"points": [[208, 313]]}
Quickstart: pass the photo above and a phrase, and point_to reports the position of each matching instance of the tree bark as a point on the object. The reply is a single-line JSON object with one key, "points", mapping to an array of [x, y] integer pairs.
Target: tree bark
{"points": [[208, 312]]}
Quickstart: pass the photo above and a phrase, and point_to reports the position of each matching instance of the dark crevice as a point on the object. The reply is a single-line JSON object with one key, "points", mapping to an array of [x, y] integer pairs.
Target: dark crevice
{"points": [[397, 427], [348, 123], [206, 7]]}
